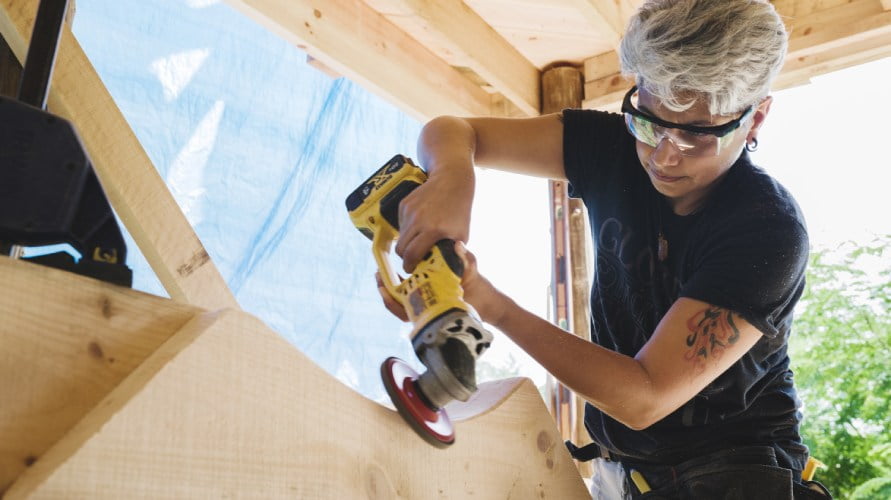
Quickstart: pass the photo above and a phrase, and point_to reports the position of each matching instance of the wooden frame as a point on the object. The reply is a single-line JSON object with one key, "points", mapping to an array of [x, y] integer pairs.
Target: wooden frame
{"points": [[168, 401]]}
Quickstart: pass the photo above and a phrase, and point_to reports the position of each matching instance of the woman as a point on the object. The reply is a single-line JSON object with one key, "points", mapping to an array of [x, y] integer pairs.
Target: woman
{"points": [[700, 256]]}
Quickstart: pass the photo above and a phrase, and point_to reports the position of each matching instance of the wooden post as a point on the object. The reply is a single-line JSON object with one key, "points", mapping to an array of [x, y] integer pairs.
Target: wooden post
{"points": [[562, 87], [579, 241]]}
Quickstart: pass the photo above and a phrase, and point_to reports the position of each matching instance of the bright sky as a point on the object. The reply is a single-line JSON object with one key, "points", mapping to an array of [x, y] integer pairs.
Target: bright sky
{"points": [[827, 142]]}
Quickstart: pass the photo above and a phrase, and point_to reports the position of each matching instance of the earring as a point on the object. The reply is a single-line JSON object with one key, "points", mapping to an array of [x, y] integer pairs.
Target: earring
{"points": [[751, 147]]}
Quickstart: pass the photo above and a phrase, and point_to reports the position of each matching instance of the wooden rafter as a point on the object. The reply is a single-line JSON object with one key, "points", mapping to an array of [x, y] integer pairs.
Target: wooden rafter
{"points": [[135, 189], [361, 44], [605, 16], [838, 28], [484, 50]]}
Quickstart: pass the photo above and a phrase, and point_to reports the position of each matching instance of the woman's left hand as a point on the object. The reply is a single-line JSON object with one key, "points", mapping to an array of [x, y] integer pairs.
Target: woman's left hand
{"points": [[478, 291]]}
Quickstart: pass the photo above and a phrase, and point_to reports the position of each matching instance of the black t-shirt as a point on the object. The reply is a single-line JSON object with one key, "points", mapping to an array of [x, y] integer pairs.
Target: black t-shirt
{"points": [[744, 250]]}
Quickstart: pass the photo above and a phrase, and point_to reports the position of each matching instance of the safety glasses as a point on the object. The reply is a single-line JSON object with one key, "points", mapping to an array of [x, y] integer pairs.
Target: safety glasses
{"points": [[690, 140]]}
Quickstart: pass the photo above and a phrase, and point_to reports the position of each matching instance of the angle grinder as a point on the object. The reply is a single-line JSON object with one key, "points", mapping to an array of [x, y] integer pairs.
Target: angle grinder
{"points": [[447, 334]]}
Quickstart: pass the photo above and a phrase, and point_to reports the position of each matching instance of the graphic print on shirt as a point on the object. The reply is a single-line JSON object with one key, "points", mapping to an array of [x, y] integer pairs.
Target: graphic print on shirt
{"points": [[622, 277], [633, 290]]}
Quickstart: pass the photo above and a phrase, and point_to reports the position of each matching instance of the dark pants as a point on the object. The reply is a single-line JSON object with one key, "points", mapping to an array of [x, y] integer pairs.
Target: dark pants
{"points": [[749, 472]]}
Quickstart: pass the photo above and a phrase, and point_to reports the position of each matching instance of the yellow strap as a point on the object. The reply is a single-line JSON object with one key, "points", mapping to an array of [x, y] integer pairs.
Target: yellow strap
{"points": [[810, 468], [639, 481]]}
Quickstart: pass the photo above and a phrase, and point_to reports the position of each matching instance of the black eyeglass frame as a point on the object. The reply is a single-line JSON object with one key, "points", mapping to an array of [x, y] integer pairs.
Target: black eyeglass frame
{"points": [[717, 130]]}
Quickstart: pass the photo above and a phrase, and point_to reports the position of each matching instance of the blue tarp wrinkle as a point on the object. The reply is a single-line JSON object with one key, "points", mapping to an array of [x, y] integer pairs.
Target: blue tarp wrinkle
{"points": [[260, 151]]}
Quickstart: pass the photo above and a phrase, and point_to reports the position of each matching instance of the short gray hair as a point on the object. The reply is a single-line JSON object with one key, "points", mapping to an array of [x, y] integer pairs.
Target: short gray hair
{"points": [[725, 51]]}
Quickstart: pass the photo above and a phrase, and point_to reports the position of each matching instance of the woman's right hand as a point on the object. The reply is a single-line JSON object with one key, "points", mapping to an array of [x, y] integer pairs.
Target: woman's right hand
{"points": [[438, 209], [449, 147]]}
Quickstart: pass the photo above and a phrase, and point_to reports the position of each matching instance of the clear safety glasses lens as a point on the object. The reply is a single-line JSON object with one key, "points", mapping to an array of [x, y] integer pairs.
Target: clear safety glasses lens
{"points": [[688, 143], [689, 140]]}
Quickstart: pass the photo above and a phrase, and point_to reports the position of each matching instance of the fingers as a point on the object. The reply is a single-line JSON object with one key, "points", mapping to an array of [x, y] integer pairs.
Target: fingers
{"points": [[468, 258], [464, 253], [390, 303], [415, 248], [424, 219]]}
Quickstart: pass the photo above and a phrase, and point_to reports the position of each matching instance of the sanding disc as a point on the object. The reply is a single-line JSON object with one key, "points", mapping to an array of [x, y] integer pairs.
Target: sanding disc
{"points": [[433, 425]]}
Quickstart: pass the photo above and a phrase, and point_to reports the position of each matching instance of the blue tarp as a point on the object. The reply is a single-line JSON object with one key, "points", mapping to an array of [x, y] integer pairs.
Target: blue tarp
{"points": [[260, 151]]}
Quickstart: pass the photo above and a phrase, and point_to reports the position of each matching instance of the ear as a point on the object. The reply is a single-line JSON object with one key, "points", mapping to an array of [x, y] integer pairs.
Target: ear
{"points": [[758, 118]]}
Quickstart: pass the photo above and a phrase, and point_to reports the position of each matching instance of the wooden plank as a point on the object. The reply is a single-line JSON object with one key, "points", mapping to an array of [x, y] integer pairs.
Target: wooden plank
{"points": [[844, 27], [65, 342], [601, 66], [226, 408], [792, 9], [807, 67], [606, 93], [134, 188], [361, 44], [484, 50], [319, 65], [544, 32], [604, 16]]}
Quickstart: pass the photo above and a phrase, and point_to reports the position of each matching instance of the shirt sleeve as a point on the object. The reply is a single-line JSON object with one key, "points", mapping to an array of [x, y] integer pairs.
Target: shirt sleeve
{"points": [[591, 149], [754, 267]]}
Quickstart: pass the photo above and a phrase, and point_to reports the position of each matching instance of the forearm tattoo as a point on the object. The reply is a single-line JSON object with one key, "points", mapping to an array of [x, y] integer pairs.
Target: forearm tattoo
{"points": [[712, 331]]}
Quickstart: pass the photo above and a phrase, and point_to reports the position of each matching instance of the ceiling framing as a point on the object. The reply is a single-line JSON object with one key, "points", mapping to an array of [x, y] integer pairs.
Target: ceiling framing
{"points": [[485, 57]]}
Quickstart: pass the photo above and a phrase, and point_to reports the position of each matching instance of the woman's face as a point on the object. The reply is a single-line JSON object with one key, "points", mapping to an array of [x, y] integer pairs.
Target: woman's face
{"points": [[686, 180]]}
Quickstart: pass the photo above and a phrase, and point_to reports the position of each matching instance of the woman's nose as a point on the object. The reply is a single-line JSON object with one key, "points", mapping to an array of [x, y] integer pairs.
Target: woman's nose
{"points": [[666, 153]]}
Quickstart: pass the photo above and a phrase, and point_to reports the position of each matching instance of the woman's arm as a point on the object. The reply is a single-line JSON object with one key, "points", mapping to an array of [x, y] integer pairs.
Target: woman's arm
{"points": [[448, 148], [693, 344]]}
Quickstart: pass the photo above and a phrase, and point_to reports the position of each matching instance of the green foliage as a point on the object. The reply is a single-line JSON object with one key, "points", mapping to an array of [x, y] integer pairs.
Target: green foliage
{"points": [[877, 488], [840, 349]]}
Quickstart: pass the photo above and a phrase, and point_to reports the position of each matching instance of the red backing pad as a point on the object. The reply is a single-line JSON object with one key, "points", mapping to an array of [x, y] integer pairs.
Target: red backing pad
{"points": [[434, 426]]}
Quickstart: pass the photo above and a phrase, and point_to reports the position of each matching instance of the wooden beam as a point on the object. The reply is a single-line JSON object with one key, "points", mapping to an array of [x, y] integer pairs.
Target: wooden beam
{"points": [[606, 93], [604, 84], [227, 408], [319, 65], [604, 16], [840, 30], [134, 188], [484, 50], [601, 66], [65, 342], [860, 52], [361, 44]]}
